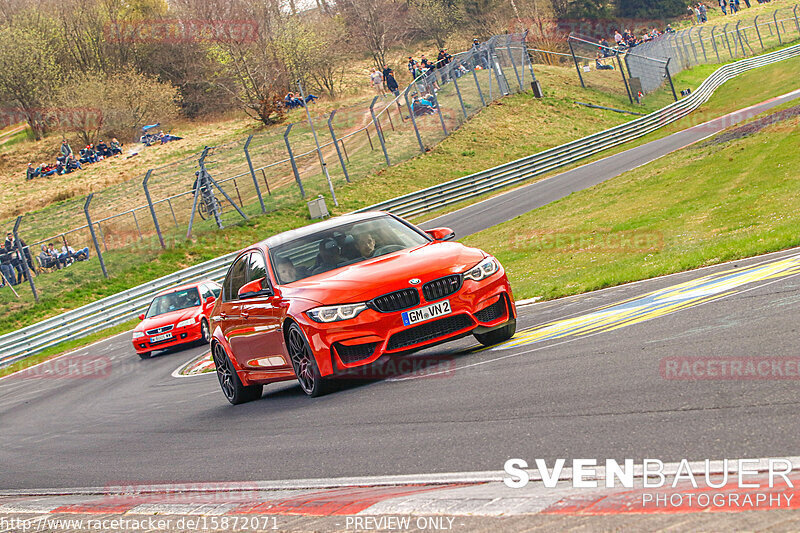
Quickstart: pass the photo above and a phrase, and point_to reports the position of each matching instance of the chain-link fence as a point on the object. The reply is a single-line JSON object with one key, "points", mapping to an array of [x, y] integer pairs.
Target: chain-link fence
{"points": [[643, 69], [280, 166]]}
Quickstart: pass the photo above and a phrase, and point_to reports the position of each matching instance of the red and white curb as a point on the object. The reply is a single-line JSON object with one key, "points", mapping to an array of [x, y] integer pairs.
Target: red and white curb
{"points": [[458, 494]]}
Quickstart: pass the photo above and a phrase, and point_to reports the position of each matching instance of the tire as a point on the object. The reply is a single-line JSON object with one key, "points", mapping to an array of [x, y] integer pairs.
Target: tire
{"points": [[233, 389], [202, 210], [304, 364], [145, 355], [496, 336], [205, 334]]}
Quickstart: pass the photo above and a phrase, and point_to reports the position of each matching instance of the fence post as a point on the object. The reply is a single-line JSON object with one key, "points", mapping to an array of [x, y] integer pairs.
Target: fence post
{"points": [[316, 142], [669, 78], [694, 49], [458, 93], [513, 64], [758, 32], [475, 76], [24, 260], [135, 221], [152, 209], [727, 42], [336, 144], [577, 67], [777, 30], [796, 21], [378, 130], [714, 42], [413, 119], [253, 174], [94, 236], [741, 41], [291, 158], [702, 46], [624, 80], [439, 112]]}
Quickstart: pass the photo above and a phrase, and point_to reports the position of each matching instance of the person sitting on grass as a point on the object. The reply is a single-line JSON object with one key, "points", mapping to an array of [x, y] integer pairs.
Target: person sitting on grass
{"points": [[72, 255], [102, 149], [598, 64], [46, 170], [32, 172], [116, 146], [47, 260], [61, 257], [73, 164]]}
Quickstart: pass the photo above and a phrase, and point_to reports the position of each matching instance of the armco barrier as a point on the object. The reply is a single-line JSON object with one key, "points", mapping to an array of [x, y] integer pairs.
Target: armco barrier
{"points": [[127, 304]]}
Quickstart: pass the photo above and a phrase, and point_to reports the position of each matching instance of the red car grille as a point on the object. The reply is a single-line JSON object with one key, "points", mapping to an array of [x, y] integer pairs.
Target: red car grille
{"points": [[439, 288], [162, 329], [428, 331], [396, 301]]}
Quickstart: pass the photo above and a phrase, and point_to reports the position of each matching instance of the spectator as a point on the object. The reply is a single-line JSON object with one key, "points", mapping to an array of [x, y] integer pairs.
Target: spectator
{"points": [[6, 268], [116, 147], [21, 264], [102, 149], [723, 5], [32, 172], [696, 11], [412, 64], [617, 37], [704, 11], [73, 164], [47, 260], [599, 65], [61, 257], [377, 81], [66, 150], [391, 83], [71, 254], [419, 108]]}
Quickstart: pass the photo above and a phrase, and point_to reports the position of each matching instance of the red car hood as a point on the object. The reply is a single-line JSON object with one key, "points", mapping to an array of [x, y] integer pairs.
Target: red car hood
{"points": [[173, 317], [373, 277]]}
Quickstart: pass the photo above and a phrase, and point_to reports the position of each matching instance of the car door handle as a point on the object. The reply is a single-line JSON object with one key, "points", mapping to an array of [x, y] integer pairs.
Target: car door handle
{"points": [[223, 315], [245, 314]]}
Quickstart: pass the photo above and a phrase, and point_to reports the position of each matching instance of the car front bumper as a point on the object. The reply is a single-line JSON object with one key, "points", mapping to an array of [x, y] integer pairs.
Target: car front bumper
{"points": [[184, 335]]}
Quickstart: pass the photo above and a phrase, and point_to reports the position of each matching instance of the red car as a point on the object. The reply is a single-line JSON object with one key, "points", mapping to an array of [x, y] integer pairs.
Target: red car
{"points": [[334, 296], [176, 316]]}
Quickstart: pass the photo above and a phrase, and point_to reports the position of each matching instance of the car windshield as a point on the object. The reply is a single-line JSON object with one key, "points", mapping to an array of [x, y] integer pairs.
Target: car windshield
{"points": [[174, 301], [341, 246]]}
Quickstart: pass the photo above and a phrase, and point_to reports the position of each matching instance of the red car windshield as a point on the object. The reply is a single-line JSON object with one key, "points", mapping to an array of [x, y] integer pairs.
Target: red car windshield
{"points": [[174, 301], [341, 246]]}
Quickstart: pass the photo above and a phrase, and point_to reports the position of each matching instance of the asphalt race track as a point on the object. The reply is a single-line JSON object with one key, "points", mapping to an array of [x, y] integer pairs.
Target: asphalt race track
{"points": [[582, 378]]}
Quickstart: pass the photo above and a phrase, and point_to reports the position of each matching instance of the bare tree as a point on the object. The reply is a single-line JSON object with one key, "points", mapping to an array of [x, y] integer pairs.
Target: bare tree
{"points": [[436, 19], [375, 24]]}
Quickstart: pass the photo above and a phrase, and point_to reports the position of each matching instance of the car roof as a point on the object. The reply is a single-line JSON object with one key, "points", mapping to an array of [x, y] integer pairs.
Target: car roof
{"points": [[186, 286], [334, 222]]}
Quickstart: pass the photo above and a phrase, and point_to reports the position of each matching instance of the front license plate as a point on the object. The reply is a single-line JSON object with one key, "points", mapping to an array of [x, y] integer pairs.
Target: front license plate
{"points": [[426, 313], [161, 337]]}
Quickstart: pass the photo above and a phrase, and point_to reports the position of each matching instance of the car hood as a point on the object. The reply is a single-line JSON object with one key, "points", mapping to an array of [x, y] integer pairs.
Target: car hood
{"points": [[366, 280], [173, 317]]}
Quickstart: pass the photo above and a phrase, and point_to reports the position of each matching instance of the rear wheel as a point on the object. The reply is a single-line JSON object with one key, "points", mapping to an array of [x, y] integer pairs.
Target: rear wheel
{"points": [[232, 387], [304, 364], [496, 336]]}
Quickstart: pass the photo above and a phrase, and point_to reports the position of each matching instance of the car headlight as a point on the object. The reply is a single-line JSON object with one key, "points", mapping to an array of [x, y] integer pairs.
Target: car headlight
{"points": [[334, 313], [187, 322], [483, 270], [138, 334]]}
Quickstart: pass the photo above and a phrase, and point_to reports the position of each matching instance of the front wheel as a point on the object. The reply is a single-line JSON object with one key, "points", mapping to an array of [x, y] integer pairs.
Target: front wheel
{"points": [[304, 364], [145, 355], [205, 336], [496, 336], [233, 389]]}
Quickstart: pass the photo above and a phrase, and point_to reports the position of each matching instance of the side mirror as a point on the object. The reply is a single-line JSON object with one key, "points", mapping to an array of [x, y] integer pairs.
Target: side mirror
{"points": [[210, 300], [255, 288], [441, 234], [141, 317]]}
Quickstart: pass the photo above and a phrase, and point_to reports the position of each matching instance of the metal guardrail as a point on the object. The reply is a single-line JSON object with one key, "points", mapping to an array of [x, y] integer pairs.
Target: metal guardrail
{"points": [[127, 304]]}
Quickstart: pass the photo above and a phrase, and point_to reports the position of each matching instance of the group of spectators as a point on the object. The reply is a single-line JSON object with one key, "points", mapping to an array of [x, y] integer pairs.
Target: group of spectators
{"points": [[15, 267], [383, 80], [728, 7], [66, 162], [290, 101]]}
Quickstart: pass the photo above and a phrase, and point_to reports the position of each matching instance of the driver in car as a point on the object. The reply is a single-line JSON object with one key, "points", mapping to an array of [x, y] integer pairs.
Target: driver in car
{"points": [[365, 244], [330, 255]]}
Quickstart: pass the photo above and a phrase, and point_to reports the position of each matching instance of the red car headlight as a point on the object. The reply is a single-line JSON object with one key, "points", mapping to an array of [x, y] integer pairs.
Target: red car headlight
{"points": [[335, 313], [187, 322], [483, 270]]}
